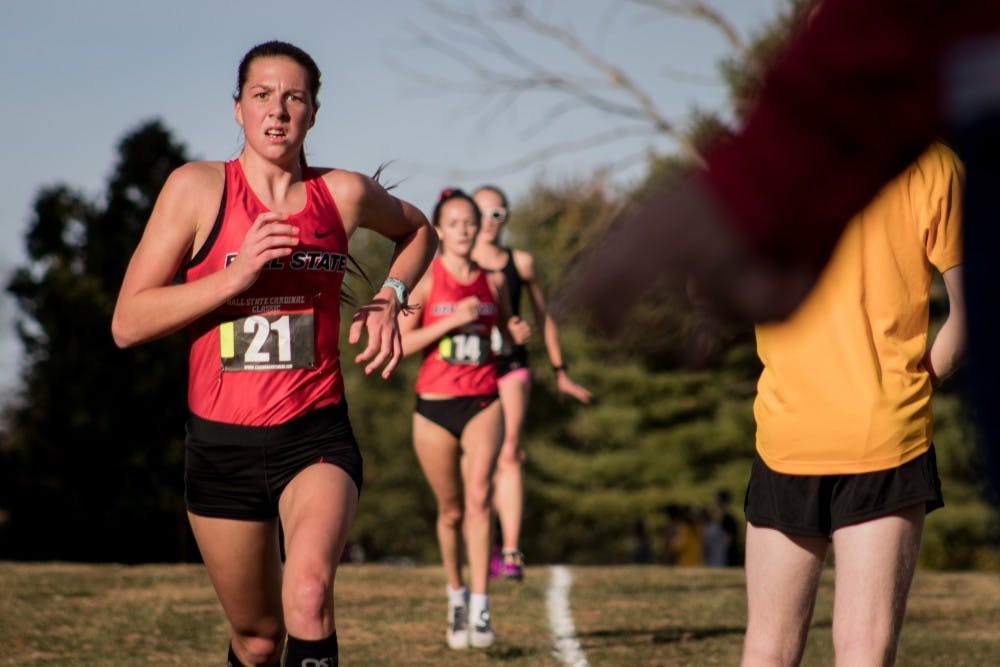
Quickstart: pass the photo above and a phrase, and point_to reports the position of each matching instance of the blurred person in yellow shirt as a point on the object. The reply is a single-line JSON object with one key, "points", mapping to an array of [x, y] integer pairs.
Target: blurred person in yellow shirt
{"points": [[845, 454]]}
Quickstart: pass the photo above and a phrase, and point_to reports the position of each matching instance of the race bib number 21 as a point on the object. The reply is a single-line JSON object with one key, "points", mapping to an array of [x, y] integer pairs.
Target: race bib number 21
{"points": [[268, 341]]}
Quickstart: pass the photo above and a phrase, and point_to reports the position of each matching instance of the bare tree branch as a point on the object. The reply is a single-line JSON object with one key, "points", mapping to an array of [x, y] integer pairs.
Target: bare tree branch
{"points": [[534, 158], [645, 108], [483, 45], [704, 11]]}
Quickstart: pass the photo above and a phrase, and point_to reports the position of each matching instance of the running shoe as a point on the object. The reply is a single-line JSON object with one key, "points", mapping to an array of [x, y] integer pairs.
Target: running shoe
{"points": [[458, 626], [512, 565], [481, 635]]}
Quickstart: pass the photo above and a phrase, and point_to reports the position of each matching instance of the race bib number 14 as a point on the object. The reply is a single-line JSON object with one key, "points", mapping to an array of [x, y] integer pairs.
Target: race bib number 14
{"points": [[464, 349], [268, 341]]}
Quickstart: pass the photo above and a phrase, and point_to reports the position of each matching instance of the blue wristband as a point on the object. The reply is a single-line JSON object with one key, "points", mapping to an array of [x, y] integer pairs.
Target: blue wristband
{"points": [[399, 288]]}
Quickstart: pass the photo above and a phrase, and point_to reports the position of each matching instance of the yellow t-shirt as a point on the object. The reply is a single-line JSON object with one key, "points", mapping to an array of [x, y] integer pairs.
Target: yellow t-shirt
{"points": [[843, 389]]}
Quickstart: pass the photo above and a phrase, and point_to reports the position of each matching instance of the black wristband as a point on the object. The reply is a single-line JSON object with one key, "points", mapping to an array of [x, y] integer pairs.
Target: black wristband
{"points": [[561, 367]]}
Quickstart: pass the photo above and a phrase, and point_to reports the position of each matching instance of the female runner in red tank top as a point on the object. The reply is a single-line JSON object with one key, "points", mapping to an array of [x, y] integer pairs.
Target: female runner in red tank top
{"points": [[261, 244], [458, 423]]}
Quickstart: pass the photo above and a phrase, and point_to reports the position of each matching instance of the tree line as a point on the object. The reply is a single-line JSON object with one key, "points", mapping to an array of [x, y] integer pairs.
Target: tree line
{"points": [[91, 460], [92, 443]]}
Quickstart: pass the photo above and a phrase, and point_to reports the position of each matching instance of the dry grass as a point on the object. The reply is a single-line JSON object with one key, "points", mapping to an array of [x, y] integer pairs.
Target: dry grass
{"points": [[109, 615]]}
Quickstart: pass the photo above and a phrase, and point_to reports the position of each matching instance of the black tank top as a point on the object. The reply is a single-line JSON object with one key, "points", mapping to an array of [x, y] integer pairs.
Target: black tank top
{"points": [[517, 357], [514, 282]]}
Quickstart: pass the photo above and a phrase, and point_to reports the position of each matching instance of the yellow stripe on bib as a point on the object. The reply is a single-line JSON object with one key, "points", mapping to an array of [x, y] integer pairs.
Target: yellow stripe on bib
{"points": [[226, 340]]}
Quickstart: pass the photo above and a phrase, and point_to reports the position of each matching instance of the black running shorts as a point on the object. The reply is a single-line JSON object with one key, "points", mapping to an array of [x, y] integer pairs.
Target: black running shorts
{"points": [[505, 363], [239, 472], [452, 414], [817, 505]]}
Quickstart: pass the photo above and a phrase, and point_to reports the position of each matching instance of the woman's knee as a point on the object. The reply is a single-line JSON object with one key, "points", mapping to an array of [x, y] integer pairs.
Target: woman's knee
{"points": [[307, 597], [260, 649], [450, 515], [477, 498], [511, 455]]}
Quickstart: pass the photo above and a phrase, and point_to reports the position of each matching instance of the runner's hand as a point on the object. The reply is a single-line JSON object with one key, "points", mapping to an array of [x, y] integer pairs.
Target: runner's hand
{"points": [[267, 239], [466, 311], [520, 331], [385, 346], [565, 385]]}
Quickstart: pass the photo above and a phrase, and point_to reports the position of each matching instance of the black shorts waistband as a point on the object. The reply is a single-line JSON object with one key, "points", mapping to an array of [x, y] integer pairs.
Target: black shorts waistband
{"points": [[208, 430]]}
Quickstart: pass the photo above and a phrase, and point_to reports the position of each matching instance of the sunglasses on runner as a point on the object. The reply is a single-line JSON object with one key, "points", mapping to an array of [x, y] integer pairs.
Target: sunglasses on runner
{"points": [[498, 214]]}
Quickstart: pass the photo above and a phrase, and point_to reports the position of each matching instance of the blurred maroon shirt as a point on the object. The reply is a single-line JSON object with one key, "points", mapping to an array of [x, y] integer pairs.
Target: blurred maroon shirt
{"points": [[857, 96]]}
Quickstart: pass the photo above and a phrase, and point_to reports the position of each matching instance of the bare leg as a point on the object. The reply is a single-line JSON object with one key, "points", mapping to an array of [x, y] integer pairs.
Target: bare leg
{"points": [[782, 573], [875, 562], [508, 480], [439, 455], [316, 508], [480, 444], [243, 564]]}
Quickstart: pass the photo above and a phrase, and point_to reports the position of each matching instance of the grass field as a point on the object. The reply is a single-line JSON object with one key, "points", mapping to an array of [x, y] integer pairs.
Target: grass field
{"points": [[109, 616]]}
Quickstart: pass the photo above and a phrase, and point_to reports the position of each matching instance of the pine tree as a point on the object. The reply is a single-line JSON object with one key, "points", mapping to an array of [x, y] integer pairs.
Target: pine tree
{"points": [[91, 466]]}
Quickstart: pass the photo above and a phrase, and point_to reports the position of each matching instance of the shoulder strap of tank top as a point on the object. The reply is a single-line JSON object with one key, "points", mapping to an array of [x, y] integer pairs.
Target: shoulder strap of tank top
{"points": [[206, 247], [510, 268]]}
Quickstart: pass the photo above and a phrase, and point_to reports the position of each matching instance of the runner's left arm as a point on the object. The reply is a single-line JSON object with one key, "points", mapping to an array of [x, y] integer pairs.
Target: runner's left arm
{"points": [[365, 203]]}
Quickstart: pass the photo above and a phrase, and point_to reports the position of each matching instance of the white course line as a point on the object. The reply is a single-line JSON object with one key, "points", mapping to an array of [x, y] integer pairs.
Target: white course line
{"points": [[567, 648]]}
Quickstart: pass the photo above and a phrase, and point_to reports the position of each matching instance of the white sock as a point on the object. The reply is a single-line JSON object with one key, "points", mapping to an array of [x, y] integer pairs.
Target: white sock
{"points": [[457, 596], [477, 603]]}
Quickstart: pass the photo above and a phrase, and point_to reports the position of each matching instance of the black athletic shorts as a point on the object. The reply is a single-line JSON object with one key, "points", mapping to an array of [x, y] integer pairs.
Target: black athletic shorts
{"points": [[817, 505], [239, 472], [452, 414], [518, 358]]}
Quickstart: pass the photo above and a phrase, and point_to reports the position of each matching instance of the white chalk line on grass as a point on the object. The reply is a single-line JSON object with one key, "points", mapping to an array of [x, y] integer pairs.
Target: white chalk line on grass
{"points": [[561, 619]]}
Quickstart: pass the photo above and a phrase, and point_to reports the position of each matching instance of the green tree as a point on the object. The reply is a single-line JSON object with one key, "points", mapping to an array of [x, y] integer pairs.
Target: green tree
{"points": [[663, 430], [92, 460], [673, 422]]}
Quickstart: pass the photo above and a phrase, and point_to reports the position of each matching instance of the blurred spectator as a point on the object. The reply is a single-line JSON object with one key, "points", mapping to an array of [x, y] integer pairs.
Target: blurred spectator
{"points": [[642, 549]]}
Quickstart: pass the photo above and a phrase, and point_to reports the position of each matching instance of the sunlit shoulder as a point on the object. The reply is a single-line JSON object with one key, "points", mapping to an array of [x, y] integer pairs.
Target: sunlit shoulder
{"points": [[192, 191]]}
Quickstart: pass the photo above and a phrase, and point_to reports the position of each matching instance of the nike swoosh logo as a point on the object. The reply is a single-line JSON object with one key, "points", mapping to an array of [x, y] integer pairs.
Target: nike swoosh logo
{"points": [[320, 234]]}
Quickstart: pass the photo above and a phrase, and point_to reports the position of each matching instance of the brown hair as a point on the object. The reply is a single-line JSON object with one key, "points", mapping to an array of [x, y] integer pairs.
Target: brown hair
{"points": [[274, 49], [454, 193]]}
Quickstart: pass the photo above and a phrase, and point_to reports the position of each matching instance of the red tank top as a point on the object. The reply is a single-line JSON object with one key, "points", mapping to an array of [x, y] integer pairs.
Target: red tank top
{"points": [[270, 354], [461, 364]]}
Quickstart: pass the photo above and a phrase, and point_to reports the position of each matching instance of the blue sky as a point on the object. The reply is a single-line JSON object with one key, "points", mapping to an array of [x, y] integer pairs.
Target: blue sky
{"points": [[78, 75]]}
